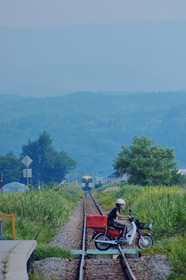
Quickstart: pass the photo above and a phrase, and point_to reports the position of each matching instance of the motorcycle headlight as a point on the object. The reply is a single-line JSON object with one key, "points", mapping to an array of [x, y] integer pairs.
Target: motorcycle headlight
{"points": [[149, 226]]}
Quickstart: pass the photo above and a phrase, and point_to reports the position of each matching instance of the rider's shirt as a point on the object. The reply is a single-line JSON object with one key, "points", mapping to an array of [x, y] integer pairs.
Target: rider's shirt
{"points": [[112, 215]]}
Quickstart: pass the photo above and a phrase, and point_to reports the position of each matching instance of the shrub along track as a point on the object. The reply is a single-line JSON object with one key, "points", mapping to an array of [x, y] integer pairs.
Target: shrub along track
{"points": [[69, 237]]}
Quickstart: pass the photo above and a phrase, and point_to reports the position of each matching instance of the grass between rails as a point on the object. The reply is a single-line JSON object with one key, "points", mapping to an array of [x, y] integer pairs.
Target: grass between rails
{"points": [[39, 214], [165, 208]]}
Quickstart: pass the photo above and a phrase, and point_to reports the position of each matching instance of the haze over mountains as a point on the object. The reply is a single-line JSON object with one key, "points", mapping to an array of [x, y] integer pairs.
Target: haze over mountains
{"points": [[91, 127], [131, 56]]}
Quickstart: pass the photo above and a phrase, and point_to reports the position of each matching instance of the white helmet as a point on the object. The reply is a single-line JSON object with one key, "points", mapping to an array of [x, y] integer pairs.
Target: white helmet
{"points": [[120, 201]]}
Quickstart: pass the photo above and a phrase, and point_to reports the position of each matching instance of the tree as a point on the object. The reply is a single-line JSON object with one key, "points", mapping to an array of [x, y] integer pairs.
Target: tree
{"points": [[10, 167], [146, 163], [48, 164]]}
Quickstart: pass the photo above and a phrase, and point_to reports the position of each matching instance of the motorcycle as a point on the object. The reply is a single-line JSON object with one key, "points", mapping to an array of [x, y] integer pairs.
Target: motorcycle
{"points": [[106, 237]]}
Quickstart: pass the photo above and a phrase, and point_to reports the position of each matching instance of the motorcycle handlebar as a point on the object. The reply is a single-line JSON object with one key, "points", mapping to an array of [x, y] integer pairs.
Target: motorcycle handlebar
{"points": [[149, 227], [130, 213]]}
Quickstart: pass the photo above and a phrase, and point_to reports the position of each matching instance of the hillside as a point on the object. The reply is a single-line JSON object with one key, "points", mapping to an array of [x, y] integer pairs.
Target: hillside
{"points": [[92, 126]]}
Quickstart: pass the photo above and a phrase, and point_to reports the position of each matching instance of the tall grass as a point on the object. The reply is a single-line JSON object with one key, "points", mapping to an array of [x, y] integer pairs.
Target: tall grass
{"points": [[162, 206], [165, 208], [38, 213]]}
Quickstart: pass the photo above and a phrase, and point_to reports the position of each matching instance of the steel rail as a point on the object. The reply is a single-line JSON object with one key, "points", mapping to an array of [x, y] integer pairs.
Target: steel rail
{"points": [[97, 206], [127, 268], [83, 241]]}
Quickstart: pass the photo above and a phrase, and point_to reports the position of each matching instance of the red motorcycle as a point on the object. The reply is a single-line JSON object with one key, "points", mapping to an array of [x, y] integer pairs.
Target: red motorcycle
{"points": [[106, 236]]}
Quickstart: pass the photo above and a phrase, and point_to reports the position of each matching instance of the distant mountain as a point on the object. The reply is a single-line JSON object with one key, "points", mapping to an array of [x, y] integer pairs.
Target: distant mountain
{"points": [[91, 127]]}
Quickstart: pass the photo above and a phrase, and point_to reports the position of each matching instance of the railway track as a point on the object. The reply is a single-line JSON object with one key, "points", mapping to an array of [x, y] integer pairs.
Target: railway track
{"points": [[100, 266], [94, 267]]}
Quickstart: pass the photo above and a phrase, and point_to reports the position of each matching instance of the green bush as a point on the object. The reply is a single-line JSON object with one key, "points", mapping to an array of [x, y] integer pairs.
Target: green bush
{"points": [[177, 256], [47, 252], [99, 185]]}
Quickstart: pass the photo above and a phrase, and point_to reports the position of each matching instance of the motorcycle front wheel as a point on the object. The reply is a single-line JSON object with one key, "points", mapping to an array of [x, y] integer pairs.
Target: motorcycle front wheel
{"points": [[145, 241], [101, 246]]}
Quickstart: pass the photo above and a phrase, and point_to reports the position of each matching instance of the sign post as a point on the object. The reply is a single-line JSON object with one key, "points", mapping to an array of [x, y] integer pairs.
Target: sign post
{"points": [[27, 173]]}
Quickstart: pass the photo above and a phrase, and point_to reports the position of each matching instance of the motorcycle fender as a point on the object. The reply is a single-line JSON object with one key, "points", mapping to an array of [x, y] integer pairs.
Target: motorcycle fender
{"points": [[142, 233], [94, 235]]}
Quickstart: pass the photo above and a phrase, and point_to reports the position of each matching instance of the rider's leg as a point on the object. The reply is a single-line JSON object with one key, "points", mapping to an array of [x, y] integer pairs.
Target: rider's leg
{"points": [[121, 227]]}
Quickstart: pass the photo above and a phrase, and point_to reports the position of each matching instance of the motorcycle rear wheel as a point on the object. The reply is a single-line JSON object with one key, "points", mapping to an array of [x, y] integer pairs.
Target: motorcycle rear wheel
{"points": [[100, 246], [145, 242]]}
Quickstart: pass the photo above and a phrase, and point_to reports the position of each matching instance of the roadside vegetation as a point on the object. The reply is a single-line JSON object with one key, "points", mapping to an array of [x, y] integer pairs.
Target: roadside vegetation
{"points": [[39, 215], [165, 208]]}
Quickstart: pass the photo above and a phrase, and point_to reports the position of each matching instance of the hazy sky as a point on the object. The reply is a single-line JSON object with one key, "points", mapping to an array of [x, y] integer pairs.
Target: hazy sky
{"points": [[50, 47], [57, 12]]}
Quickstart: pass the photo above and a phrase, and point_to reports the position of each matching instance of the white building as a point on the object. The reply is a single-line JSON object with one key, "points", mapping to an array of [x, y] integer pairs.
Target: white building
{"points": [[182, 171], [15, 187]]}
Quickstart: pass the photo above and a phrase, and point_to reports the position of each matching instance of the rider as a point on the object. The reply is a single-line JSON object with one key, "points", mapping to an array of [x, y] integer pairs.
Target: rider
{"points": [[115, 213]]}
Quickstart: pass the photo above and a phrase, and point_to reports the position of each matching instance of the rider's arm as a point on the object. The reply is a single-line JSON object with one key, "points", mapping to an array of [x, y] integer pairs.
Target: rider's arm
{"points": [[120, 217]]}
